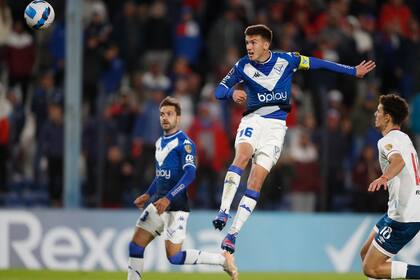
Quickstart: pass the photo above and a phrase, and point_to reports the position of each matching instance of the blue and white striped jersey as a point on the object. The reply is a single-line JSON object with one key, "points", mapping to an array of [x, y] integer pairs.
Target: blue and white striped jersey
{"points": [[173, 154], [268, 83]]}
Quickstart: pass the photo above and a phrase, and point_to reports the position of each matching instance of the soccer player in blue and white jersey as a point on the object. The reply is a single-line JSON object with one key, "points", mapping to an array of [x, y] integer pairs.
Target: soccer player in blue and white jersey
{"points": [[401, 176], [168, 210], [267, 79]]}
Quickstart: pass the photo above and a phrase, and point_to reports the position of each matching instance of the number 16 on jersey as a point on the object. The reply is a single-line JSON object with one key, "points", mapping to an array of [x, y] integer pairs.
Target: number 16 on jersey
{"points": [[246, 131]]}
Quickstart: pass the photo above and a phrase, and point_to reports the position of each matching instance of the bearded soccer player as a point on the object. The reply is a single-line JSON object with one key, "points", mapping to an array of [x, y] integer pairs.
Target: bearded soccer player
{"points": [[401, 177], [168, 211], [267, 79]]}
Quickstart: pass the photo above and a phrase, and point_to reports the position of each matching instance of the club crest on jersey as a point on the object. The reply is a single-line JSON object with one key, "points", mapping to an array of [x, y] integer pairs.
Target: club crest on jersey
{"points": [[188, 148], [388, 147]]}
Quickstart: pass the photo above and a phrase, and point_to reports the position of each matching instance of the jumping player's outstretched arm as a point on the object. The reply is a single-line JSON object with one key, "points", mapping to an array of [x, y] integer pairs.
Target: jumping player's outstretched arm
{"points": [[359, 71]]}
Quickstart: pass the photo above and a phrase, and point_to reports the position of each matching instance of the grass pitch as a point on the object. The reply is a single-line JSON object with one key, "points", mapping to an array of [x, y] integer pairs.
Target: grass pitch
{"points": [[102, 275]]}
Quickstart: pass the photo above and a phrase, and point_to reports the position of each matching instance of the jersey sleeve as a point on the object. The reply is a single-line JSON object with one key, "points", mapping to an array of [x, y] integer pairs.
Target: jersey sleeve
{"points": [[232, 78], [188, 154], [299, 62], [387, 147]]}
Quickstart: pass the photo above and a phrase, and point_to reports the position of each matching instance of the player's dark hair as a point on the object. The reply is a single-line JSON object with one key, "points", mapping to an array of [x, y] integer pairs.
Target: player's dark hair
{"points": [[260, 29], [395, 106], [171, 101]]}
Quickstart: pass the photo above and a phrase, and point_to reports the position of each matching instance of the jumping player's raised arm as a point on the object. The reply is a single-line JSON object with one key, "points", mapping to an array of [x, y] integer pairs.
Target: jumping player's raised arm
{"points": [[306, 63]]}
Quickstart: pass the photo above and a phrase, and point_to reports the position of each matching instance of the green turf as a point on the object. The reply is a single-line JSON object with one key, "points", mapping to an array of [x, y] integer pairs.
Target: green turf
{"points": [[59, 275]]}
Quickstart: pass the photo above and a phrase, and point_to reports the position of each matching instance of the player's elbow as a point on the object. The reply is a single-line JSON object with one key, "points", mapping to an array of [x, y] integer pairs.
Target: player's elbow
{"points": [[220, 92]]}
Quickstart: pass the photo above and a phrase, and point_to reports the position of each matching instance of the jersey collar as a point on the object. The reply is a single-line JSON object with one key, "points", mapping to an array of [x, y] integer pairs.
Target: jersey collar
{"points": [[264, 62], [171, 135]]}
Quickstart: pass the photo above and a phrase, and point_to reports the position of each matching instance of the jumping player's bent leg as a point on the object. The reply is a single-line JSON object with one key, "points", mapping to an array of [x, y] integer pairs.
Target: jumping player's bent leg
{"points": [[246, 205], [243, 154]]}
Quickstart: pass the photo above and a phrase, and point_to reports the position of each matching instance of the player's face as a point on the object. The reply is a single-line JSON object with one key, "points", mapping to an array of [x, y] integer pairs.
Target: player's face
{"points": [[381, 118], [169, 119], [256, 47]]}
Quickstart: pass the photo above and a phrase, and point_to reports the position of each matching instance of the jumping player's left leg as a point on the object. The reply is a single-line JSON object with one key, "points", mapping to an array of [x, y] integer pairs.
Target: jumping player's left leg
{"points": [[246, 205]]}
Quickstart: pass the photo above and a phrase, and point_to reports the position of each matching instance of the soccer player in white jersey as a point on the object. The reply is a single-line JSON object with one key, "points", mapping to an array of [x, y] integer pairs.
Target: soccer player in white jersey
{"points": [[168, 210], [401, 176], [267, 78]]}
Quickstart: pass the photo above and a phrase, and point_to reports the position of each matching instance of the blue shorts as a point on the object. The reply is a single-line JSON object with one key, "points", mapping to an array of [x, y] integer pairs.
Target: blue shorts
{"points": [[392, 236]]}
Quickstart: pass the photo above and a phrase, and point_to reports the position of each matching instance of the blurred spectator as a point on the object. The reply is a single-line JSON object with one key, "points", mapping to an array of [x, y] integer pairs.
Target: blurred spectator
{"points": [[5, 29], [52, 143], [155, 78], [113, 70], [159, 35], [130, 36], [20, 51], [364, 172], [188, 37], [145, 132], [395, 13], [304, 189], [226, 32], [5, 109], [183, 94], [213, 153]]}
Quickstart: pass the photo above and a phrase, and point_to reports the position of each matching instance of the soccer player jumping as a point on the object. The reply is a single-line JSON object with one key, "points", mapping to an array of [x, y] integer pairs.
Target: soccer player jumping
{"points": [[267, 78], [168, 211], [401, 176]]}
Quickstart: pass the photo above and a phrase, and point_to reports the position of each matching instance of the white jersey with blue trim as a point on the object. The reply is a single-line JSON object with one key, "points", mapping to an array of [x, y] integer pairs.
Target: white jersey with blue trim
{"points": [[268, 84], [404, 189]]}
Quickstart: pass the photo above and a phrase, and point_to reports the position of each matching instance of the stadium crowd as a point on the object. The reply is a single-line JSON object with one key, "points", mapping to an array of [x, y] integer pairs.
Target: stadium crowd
{"points": [[137, 52]]}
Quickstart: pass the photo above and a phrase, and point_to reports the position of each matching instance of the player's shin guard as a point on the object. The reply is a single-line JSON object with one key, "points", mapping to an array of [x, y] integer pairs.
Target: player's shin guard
{"points": [[192, 256], [135, 261], [245, 208], [231, 183]]}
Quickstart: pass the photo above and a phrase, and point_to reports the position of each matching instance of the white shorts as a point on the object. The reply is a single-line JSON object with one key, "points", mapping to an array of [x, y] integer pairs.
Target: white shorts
{"points": [[174, 223], [265, 135]]}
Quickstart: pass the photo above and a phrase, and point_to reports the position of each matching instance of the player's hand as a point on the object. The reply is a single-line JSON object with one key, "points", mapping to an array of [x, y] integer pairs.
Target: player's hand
{"points": [[161, 204], [377, 184], [141, 200], [239, 96], [364, 67]]}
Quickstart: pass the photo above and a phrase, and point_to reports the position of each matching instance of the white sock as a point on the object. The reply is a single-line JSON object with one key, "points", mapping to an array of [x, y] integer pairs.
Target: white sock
{"points": [[398, 270], [193, 256], [135, 268], [230, 186], [245, 208]]}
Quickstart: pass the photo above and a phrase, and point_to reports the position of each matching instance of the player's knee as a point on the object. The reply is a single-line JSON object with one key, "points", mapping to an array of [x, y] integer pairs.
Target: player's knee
{"points": [[178, 258], [241, 160], [369, 270]]}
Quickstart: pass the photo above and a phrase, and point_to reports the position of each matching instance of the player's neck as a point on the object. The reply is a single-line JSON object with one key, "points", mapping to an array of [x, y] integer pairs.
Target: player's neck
{"points": [[389, 128], [171, 132], [264, 58]]}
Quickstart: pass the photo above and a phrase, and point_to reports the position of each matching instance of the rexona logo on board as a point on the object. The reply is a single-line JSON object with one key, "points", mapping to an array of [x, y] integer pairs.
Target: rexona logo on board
{"points": [[29, 241]]}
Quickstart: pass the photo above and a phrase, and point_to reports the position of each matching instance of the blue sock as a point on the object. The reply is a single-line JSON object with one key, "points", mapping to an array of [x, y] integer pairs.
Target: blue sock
{"points": [[236, 169], [135, 251], [413, 272], [179, 258], [252, 194]]}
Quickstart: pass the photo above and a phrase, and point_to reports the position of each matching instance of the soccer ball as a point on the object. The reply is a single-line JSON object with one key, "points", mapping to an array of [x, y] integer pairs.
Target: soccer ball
{"points": [[39, 14]]}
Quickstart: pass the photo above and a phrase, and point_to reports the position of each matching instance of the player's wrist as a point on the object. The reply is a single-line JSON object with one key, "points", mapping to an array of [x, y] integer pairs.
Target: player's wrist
{"points": [[384, 177]]}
